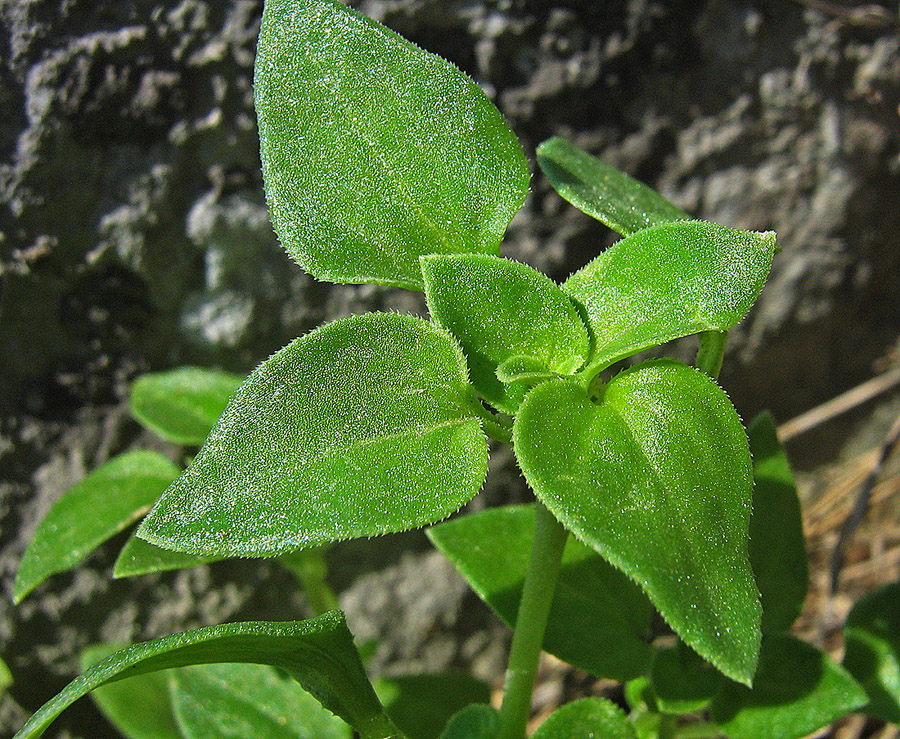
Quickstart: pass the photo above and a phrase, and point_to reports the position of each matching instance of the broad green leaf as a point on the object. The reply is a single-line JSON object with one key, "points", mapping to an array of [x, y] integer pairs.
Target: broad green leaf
{"points": [[374, 151], [797, 690], [6, 678], [602, 191], [669, 281], [681, 681], [141, 558], [656, 477], [138, 707], [473, 722], [183, 404], [365, 426], [421, 705], [318, 653], [241, 701], [872, 638], [499, 309], [777, 545], [599, 620], [587, 717], [108, 500]]}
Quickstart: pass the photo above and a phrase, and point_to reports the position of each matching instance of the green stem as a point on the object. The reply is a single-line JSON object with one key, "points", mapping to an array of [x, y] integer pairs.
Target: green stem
{"points": [[711, 352], [494, 426], [310, 568], [540, 582]]}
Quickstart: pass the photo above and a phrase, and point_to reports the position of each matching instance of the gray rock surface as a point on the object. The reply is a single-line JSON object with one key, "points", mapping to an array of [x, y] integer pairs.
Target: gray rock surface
{"points": [[134, 236]]}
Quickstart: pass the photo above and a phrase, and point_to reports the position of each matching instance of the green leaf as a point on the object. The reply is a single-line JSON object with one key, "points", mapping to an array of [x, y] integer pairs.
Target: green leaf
{"points": [[368, 165], [872, 638], [241, 701], [681, 681], [669, 281], [141, 558], [6, 678], [797, 690], [363, 427], [473, 722], [599, 619], [603, 192], [777, 545], [499, 309], [526, 370], [318, 653], [587, 717], [138, 707], [421, 705], [108, 500], [182, 405], [656, 477]]}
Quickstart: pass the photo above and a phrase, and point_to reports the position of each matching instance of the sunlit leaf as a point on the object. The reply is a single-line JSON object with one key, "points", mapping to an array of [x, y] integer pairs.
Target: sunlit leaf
{"points": [[587, 717]]}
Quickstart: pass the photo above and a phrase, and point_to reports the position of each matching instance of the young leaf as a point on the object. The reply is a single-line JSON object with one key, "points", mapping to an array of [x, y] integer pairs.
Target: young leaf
{"points": [[113, 496], [318, 653], [872, 637], [368, 165], [669, 281], [182, 405], [598, 620], [140, 558], [138, 707], [365, 426], [587, 717], [473, 722], [603, 192], [499, 309], [421, 705], [6, 678], [777, 545], [240, 701], [681, 681], [656, 477], [797, 690]]}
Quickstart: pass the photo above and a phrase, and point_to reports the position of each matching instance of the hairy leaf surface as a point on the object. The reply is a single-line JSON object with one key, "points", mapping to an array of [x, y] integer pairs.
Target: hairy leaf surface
{"points": [[499, 309], [655, 475], [139, 557], [587, 717], [374, 151], [363, 427], [669, 281]]}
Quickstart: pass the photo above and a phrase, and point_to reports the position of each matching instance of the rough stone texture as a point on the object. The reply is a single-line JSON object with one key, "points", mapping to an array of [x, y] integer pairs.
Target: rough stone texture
{"points": [[133, 235]]}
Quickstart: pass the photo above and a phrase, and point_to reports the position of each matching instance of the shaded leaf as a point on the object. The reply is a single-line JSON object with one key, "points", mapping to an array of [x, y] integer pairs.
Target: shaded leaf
{"points": [[473, 722], [872, 638], [499, 309], [367, 166], [681, 681], [602, 191], [138, 557], [777, 544], [108, 500], [669, 281], [363, 427], [318, 653], [797, 690], [6, 678], [587, 717], [656, 477], [183, 404], [598, 619], [239, 701]]}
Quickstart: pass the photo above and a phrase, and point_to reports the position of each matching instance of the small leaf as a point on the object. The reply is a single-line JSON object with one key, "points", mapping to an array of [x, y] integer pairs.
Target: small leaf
{"points": [[421, 705], [241, 701], [108, 500], [473, 722], [797, 690], [872, 637], [587, 717], [681, 681], [138, 707], [498, 309], [598, 619], [183, 404], [368, 166], [141, 558], [318, 653], [526, 370], [777, 545], [603, 192], [669, 281], [656, 477], [6, 678], [363, 427]]}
